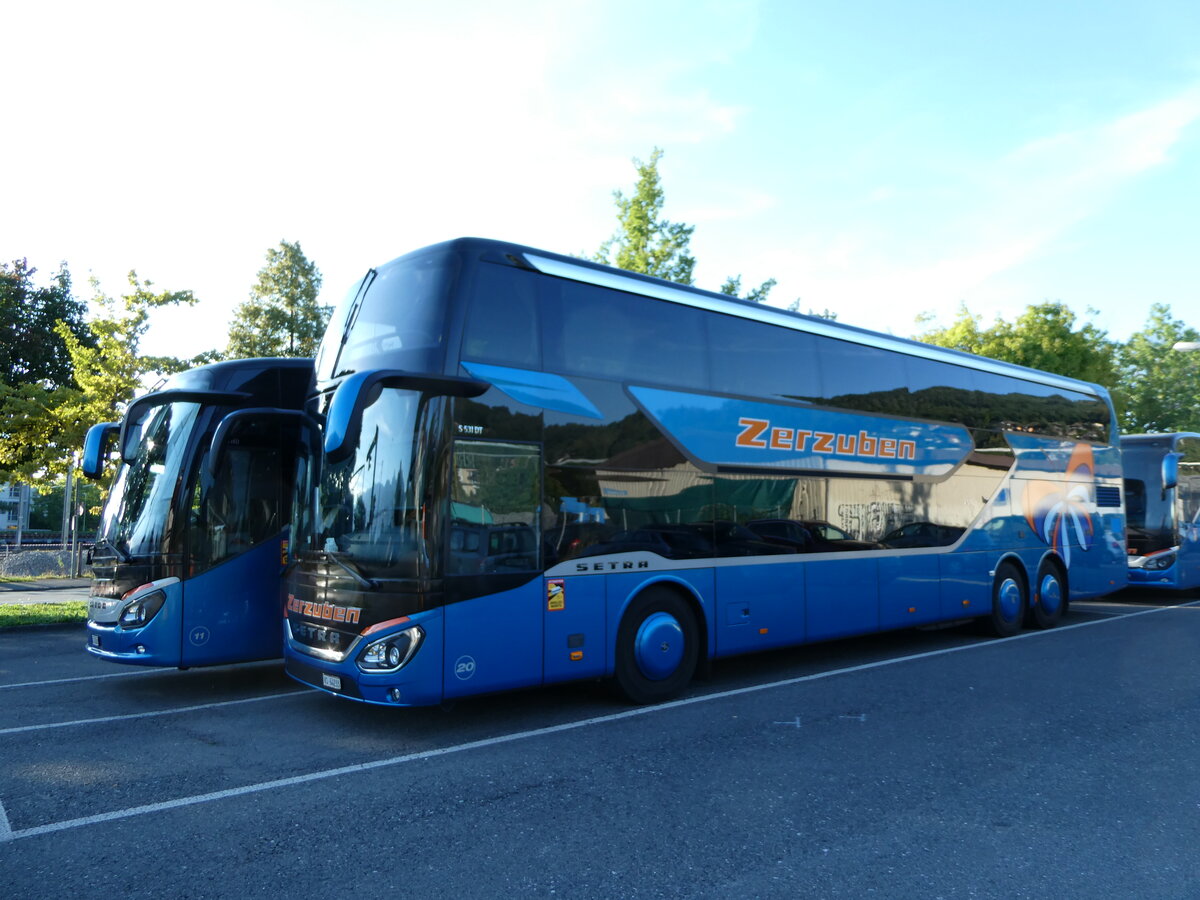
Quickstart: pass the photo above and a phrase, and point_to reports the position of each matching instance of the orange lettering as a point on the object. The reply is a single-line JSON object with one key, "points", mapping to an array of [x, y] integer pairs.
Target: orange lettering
{"points": [[751, 429], [781, 438], [824, 442]]}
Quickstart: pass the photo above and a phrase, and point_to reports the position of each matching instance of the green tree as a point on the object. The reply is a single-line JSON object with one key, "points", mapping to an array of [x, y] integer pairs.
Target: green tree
{"points": [[31, 349], [46, 508], [1044, 337], [1159, 387], [644, 241], [41, 426], [733, 287], [282, 317]]}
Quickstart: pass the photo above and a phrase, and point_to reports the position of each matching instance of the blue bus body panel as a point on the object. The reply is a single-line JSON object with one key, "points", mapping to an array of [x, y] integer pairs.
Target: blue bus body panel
{"points": [[760, 607], [1166, 579], [494, 643], [966, 584], [160, 637], [908, 590], [234, 611], [576, 631], [843, 597]]}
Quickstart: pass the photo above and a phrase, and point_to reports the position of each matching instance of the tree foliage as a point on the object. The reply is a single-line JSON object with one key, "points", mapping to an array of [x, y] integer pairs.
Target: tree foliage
{"points": [[733, 287], [31, 349], [1159, 387], [1043, 337], [647, 243], [41, 426], [282, 317], [644, 241]]}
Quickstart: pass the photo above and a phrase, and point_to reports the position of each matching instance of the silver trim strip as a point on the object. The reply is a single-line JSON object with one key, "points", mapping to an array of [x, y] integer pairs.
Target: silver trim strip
{"points": [[771, 316], [645, 562]]}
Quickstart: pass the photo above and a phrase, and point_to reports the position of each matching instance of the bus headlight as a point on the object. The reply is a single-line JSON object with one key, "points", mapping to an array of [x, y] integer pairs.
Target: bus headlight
{"points": [[137, 613], [392, 652], [1160, 561]]}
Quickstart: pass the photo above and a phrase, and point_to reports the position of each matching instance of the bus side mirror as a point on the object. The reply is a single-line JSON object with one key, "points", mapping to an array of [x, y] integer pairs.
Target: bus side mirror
{"points": [[223, 436], [344, 419], [1170, 471], [137, 410], [95, 448]]}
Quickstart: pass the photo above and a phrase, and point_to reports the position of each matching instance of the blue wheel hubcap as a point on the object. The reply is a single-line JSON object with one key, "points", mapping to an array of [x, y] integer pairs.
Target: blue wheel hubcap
{"points": [[1009, 597], [658, 647], [1050, 594]]}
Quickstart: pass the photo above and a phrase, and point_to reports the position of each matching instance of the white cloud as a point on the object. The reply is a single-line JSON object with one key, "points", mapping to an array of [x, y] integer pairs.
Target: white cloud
{"points": [[936, 253]]}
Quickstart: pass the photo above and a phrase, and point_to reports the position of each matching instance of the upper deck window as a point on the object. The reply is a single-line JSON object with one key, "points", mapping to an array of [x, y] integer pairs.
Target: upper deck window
{"points": [[398, 322], [599, 333]]}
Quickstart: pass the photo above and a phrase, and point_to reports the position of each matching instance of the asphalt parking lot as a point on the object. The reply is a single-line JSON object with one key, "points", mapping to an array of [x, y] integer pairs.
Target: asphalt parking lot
{"points": [[912, 764]]}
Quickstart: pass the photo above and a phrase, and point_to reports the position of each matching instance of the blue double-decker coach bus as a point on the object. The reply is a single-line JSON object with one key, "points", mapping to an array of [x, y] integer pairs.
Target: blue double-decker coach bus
{"points": [[190, 552], [537, 468], [1162, 506]]}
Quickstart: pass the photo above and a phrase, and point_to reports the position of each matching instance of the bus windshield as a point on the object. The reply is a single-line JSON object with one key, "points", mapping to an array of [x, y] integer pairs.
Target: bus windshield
{"points": [[368, 503], [138, 510], [396, 321]]}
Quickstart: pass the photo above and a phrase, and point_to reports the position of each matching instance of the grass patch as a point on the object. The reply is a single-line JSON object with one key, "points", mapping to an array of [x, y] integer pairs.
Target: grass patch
{"points": [[42, 613]]}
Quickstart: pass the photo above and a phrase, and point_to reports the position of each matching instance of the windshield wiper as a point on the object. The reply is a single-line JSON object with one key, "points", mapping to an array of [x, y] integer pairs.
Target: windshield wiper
{"points": [[352, 570], [106, 544]]}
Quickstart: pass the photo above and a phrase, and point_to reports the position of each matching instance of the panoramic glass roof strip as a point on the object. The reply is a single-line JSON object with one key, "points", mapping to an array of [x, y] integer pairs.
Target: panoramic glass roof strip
{"points": [[772, 316]]}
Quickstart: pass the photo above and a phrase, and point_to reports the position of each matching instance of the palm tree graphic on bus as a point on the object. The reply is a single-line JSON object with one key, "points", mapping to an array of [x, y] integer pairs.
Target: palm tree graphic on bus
{"points": [[1059, 513]]}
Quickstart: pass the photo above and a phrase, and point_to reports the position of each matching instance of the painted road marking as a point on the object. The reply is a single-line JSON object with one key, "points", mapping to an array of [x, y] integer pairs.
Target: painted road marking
{"points": [[29, 684], [149, 715], [245, 790], [147, 670]]}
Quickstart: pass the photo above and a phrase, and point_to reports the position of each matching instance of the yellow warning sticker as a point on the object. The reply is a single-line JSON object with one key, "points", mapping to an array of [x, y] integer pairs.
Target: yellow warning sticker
{"points": [[555, 594]]}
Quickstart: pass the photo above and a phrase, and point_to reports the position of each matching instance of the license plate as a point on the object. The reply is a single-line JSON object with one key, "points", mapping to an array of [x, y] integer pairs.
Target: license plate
{"points": [[95, 640], [333, 682]]}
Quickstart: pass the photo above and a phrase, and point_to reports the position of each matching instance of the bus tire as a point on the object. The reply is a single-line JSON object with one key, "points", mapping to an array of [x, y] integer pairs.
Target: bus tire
{"points": [[1010, 601], [658, 646], [1049, 601]]}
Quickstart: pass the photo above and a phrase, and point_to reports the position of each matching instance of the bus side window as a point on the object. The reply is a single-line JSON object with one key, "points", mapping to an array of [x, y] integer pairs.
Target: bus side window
{"points": [[495, 498], [502, 321], [600, 333]]}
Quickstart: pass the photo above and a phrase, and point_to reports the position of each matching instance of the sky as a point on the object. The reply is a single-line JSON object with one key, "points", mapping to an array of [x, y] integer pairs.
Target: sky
{"points": [[880, 160]]}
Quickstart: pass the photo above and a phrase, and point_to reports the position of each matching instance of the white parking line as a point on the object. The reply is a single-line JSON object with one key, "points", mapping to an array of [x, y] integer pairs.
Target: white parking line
{"points": [[180, 802], [149, 715], [29, 684], [6, 831], [140, 670]]}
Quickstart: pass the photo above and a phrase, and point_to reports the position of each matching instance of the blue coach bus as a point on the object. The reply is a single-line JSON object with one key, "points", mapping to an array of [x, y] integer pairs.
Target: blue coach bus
{"points": [[190, 551], [537, 468], [1162, 506]]}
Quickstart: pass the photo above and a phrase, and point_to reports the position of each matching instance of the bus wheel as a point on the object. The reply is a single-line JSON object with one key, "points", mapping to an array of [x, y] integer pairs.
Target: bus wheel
{"points": [[1009, 602], [1050, 600], [658, 645]]}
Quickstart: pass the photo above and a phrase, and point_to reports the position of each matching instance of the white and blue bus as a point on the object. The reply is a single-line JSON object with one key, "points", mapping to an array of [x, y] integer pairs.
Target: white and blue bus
{"points": [[1162, 508], [190, 552], [537, 468]]}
